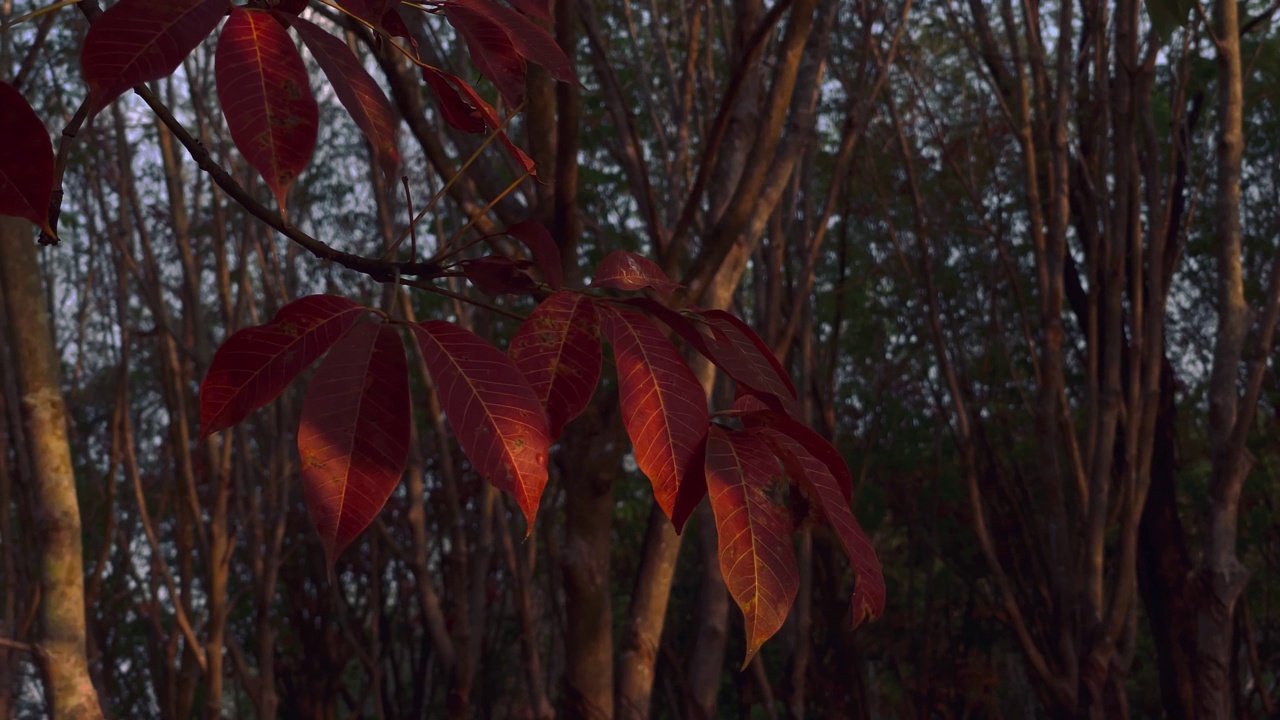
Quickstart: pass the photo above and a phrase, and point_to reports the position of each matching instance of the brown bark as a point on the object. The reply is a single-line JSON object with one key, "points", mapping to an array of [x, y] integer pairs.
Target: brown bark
{"points": [[1221, 577], [70, 692]]}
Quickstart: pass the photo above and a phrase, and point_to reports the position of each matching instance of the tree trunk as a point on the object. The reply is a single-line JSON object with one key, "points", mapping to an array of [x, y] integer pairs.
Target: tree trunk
{"points": [[61, 648], [1221, 576]]}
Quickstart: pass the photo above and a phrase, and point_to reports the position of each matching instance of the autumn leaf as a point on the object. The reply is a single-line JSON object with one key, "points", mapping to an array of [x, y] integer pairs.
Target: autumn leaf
{"points": [[543, 247], [664, 409], [358, 92], [623, 270], [494, 412], [558, 350], [748, 493], [496, 275], [137, 41], [491, 51], [531, 41], [266, 98], [353, 436], [827, 496], [26, 160], [256, 364]]}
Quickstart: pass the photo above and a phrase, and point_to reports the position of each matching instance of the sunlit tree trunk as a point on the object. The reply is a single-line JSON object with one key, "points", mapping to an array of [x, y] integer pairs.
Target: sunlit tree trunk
{"points": [[61, 647]]}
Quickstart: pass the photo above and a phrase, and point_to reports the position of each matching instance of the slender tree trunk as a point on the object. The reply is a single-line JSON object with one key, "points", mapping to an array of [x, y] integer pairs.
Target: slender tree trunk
{"points": [[1221, 576], [70, 691]]}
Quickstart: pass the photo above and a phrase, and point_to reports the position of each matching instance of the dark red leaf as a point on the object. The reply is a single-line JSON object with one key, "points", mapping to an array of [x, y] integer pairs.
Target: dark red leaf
{"points": [[728, 343], [493, 411], [749, 404], [530, 40], [491, 119], [464, 109], [353, 437], [746, 358], [456, 111], [558, 350], [748, 493], [293, 7], [381, 14], [826, 494], [357, 91], [136, 41], [545, 251], [496, 275], [540, 9], [266, 98], [810, 441], [491, 51], [26, 160], [256, 364], [622, 270], [663, 405]]}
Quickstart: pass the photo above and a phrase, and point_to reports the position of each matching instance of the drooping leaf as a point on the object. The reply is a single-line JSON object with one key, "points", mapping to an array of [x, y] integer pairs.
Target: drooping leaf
{"points": [[530, 40], [753, 363], [493, 411], [266, 98], [623, 270], [491, 120], [733, 347], [462, 107], [353, 436], [826, 495], [811, 441], [540, 9], [26, 160], [456, 111], [496, 275], [545, 252], [381, 14], [664, 409], [491, 51], [558, 350], [358, 92], [256, 364], [136, 41], [747, 488]]}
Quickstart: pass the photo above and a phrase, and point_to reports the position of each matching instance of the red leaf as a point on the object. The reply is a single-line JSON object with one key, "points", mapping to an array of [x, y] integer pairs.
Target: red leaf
{"points": [[491, 51], [26, 160], [540, 9], [530, 40], [381, 14], [256, 364], [471, 114], [266, 98], [663, 407], [754, 528], [357, 91], [622, 270], [811, 441], [136, 41], [826, 494], [293, 7], [496, 275], [353, 438], [558, 350], [543, 247], [752, 362], [491, 119], [494, 413], [456, 111]]}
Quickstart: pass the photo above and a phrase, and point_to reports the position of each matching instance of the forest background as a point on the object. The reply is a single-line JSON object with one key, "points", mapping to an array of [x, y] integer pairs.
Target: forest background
{"points": [[1021, 260]]}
